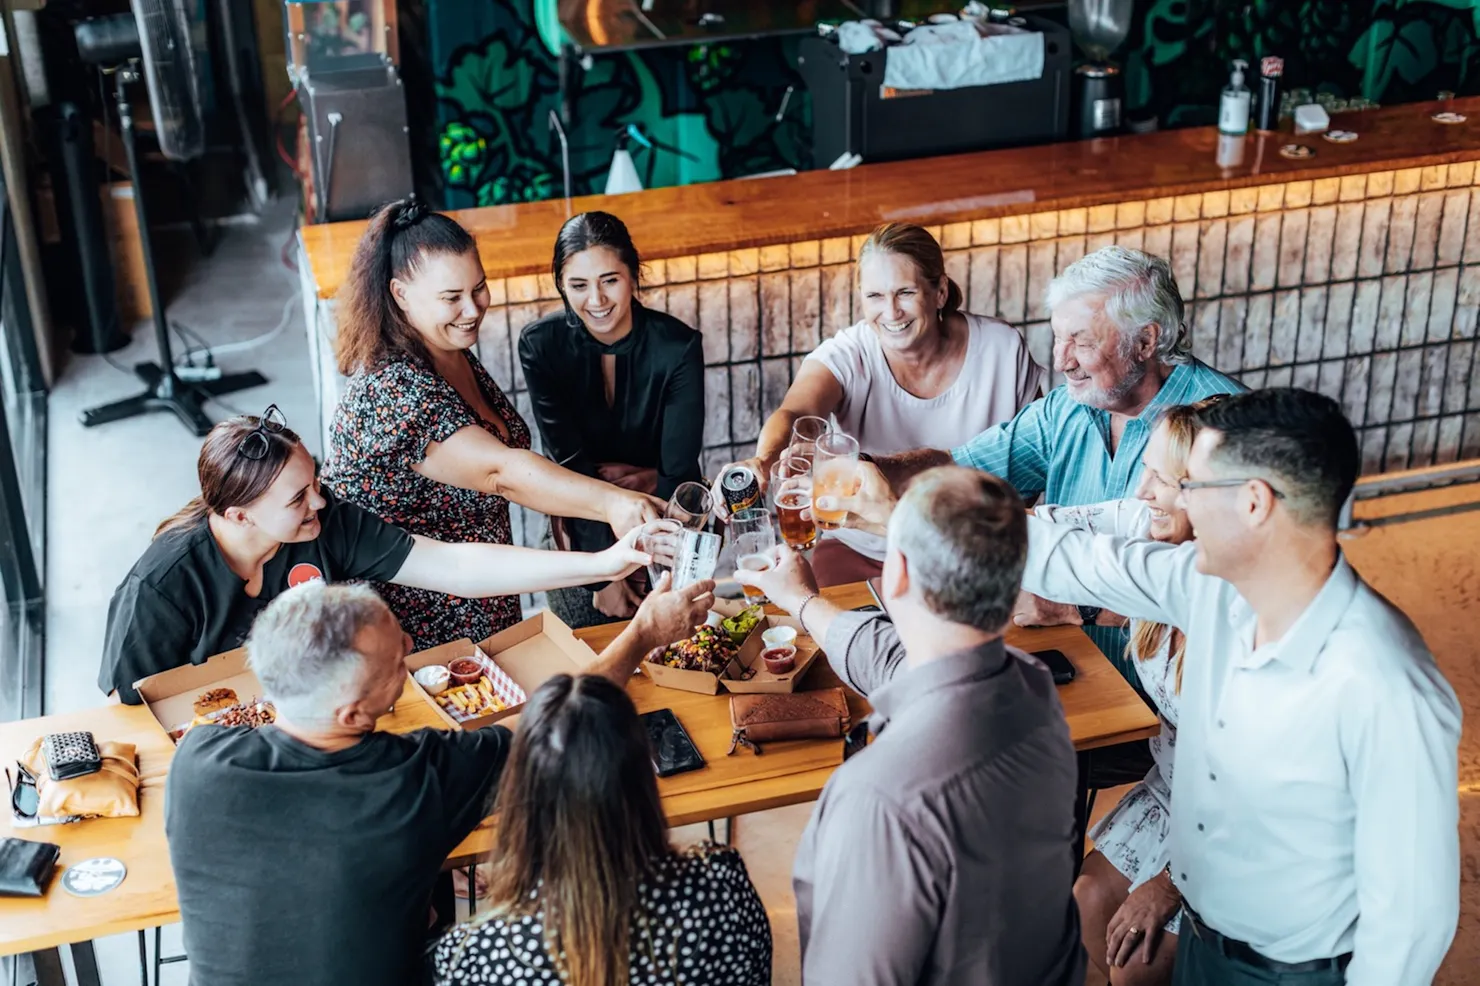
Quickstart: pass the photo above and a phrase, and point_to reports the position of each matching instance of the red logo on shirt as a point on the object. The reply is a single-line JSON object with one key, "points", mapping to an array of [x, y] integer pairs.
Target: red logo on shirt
{"points": [[304, 572]]}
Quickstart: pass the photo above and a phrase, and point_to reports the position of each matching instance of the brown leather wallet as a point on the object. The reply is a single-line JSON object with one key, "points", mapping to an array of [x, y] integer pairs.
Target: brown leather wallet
{"points": [[767, 718]]}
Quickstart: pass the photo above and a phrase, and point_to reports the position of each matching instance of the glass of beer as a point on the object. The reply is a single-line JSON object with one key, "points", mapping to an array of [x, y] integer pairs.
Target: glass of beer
{"points": [[754, 538], [791, 489], [834, 476]]}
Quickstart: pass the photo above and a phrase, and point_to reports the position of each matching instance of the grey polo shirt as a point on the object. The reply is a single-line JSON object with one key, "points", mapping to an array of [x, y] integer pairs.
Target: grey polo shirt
{"points": [[944, 852]]}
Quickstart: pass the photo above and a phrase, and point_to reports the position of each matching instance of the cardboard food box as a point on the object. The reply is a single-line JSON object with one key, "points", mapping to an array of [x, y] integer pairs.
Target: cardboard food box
{"points": [[171, 694], [747, 673], [527, 654]]}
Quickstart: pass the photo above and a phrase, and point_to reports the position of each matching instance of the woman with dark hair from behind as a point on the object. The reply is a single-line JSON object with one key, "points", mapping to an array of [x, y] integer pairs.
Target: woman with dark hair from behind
{"points": [[585, 889], [617, 390], [916, 371], [261, 525], [423, 437]]}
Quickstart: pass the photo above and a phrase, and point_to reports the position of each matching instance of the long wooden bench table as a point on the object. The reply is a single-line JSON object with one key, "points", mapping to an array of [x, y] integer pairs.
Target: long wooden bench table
{"points": [[1101, 709]]}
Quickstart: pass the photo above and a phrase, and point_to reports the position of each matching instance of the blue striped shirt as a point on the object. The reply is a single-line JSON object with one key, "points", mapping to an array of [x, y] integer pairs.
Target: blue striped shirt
{"points": [[1060, 448]]}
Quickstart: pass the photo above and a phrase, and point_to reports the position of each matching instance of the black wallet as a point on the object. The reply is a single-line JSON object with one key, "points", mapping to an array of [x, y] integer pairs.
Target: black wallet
{"points": [[25, 867], [70, 755]]}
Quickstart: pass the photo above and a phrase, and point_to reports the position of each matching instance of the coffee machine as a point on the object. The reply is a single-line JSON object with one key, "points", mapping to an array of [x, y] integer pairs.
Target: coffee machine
{"points": [[1098, 27]]}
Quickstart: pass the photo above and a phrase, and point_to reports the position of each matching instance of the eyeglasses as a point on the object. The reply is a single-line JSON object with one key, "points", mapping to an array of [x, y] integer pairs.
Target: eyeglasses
{"points": [[256, 445], [1212, 484]]}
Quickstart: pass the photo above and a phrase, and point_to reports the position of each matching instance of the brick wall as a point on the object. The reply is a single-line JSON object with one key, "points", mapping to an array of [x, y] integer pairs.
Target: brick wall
{"points": [[1364, 287]]}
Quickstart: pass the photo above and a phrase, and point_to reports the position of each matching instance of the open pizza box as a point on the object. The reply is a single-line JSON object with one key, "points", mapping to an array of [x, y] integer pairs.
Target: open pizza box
{"points": [[171, 695], [519, 660], [747, 673]]}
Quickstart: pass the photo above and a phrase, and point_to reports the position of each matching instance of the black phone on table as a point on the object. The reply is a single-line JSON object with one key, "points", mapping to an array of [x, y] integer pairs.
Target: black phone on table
{"points": [[673, 751], [1063, 672], [876, 589]]}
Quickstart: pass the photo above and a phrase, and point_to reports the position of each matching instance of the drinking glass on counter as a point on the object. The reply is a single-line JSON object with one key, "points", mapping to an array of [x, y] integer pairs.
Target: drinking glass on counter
{"points": [[690, 505], [791, 491], [834, 476], [754, 538]]}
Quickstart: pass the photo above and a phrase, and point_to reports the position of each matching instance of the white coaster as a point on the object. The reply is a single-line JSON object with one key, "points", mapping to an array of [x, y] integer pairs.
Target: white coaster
{"points": [[93, 877]]}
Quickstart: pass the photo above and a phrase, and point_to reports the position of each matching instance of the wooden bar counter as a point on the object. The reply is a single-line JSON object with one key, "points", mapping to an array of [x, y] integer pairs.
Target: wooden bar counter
{"points": [[736, 214]]}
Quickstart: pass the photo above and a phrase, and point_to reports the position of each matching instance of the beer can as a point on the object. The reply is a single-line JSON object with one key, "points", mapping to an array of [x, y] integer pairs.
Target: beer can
{"points": [[741, 488]]}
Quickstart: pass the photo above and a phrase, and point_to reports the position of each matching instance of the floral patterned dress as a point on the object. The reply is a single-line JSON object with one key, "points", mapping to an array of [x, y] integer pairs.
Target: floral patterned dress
{"points": [[382, 427], [1134, 837]]}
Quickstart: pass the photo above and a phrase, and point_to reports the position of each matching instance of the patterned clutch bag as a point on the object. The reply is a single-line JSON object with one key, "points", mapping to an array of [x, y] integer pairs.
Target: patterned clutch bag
{"points": [[71, 755]]}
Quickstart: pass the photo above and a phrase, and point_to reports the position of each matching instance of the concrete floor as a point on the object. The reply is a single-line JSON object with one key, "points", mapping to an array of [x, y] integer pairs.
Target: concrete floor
{"points": [[111, 486]]}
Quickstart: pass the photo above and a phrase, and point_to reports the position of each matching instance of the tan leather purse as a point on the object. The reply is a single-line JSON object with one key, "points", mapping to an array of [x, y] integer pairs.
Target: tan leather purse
{"points": [[766, 718], [112, 792]]}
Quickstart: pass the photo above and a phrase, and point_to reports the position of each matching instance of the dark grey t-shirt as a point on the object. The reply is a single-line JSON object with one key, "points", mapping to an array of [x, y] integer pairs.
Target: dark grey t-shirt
{"points": [[299, 866]]}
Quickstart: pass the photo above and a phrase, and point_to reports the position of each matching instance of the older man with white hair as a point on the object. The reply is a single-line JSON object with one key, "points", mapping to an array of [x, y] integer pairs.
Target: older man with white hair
{"points": [[306, 851], [942, 853], [1121, 344]]}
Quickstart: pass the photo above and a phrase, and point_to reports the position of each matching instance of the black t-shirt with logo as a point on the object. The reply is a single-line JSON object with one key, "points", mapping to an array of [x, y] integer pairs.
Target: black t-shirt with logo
{"points": [[181, 602], [296, 865]]}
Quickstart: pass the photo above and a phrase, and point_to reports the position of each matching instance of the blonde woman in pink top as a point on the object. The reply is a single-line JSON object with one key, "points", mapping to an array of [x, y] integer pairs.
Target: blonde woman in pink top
{"points": [[916, 372]]}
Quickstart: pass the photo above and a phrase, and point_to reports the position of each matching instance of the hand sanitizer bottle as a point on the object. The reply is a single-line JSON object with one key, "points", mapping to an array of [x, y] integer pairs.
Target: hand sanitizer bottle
{"points": [[1233, 108]]}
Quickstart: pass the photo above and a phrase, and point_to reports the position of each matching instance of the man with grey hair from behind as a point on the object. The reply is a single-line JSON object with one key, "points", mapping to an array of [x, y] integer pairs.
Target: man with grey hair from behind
{"points": [[943, 852], [307, 851]]}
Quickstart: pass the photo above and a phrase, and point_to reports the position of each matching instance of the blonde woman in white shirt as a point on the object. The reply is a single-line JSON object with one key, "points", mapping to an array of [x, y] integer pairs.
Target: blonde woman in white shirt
{"points": [[1124, 884], [915, 372]]}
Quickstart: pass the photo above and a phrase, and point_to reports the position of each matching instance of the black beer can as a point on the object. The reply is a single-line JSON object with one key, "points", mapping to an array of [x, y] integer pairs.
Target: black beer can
{"points": [[741, 488]]}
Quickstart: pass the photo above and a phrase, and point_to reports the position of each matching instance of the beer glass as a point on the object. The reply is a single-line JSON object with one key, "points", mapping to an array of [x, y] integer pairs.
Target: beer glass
{"points": [[754, 538], [834, 476], [791, 489]]}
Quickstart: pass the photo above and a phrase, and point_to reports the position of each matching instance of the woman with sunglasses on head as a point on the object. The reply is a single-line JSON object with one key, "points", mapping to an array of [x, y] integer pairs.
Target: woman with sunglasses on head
{"points": [[261, 525], [423, 437], [585, 889], [1129, 908], [618, 394]]}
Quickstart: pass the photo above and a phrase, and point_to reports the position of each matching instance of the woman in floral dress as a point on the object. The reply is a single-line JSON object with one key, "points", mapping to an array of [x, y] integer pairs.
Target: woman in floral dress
{"points": [[1130, 911], [423, 437]]}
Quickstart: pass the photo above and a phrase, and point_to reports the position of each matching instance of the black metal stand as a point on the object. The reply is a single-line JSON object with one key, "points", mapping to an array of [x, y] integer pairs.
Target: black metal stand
{"points": [[165, 391]]}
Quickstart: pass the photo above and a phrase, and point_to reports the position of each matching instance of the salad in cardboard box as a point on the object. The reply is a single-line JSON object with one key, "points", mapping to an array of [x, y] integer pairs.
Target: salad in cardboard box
{"points": [[732, 654]]}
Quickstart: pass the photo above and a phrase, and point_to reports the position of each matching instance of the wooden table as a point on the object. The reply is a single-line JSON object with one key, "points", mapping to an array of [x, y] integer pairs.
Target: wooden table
{"points": [[1101, 709]]}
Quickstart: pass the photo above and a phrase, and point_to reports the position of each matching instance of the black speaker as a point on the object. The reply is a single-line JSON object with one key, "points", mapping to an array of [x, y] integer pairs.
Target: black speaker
{"points": [[83, 214]]}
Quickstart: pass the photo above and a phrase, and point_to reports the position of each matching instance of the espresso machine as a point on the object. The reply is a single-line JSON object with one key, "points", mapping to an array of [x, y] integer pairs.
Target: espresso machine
{"points": [[1098, 27]]}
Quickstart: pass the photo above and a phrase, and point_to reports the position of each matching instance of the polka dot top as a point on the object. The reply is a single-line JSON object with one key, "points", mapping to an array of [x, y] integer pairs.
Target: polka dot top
{"points": [[700, 923]]}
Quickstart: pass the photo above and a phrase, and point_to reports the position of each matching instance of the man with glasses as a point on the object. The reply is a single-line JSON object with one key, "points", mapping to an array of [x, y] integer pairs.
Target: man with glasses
{"points": [[1314, 814]]}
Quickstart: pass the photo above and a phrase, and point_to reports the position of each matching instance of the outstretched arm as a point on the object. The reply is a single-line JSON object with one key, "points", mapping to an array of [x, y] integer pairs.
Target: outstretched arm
{"points": [[476, 570]]}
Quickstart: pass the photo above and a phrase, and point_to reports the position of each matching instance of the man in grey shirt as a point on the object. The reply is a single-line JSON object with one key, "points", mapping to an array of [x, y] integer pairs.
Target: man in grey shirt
{"points": [[943, 853]]}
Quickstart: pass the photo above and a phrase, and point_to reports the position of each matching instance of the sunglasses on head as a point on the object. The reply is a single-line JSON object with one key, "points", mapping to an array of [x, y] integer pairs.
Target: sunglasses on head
{"points": [[257, 444]]}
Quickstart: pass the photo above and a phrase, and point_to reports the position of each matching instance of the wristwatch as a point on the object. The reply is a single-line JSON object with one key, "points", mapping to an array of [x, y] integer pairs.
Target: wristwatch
{"points": [[1088, 614]]}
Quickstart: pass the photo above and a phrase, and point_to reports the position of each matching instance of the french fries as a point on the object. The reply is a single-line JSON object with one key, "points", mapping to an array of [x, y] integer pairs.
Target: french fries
{"points": [[471, 701]]}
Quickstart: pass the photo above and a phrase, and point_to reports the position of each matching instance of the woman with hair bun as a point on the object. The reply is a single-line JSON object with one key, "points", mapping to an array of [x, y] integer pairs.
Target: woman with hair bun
{"points": [[262, 525], [915, 372], [423, 437]]}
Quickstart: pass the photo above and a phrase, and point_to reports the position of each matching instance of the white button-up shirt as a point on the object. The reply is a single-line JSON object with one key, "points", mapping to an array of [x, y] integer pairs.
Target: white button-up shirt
{"points": [[1315, 809]]}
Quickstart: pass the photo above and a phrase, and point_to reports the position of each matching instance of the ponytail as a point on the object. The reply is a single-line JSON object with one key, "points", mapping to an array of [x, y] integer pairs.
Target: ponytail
{"points": [[187, 516], [371, 326], [954, 298]]}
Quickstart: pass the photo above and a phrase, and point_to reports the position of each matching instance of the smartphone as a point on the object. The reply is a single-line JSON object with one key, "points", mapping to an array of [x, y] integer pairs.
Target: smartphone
{"points": [[876, 589], [673, 751], [1058, 664]]}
